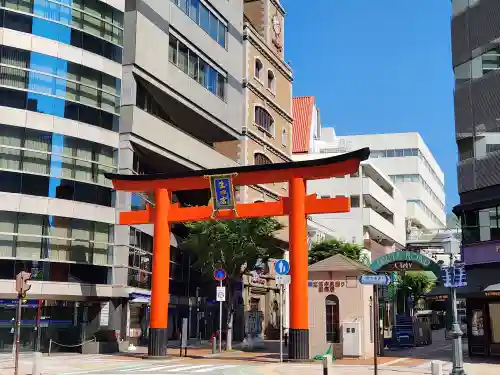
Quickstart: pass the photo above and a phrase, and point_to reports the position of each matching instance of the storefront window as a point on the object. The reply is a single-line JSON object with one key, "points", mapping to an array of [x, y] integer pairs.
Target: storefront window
{"points": [[477, 326], [495, 322]]}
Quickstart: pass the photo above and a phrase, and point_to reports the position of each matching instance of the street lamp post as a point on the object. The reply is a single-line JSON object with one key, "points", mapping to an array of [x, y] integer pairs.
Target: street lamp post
{"points": [[456, 334], [452, 247]]}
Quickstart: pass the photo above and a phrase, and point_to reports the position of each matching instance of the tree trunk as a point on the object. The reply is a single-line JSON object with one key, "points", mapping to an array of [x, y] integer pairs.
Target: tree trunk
{"points": [[230, 314], [229, 338]]}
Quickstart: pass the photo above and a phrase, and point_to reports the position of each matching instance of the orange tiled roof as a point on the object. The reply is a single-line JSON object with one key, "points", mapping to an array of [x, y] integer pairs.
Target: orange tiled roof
{"points": [[302, 117]]}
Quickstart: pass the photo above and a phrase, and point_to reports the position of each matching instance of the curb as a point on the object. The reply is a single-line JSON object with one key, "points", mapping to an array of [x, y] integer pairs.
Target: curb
{"points": [[223, 354]]}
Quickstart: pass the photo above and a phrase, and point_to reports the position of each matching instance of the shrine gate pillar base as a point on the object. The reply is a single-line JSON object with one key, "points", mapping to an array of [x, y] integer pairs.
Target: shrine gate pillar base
{"points": [[298, 344], [158, 336]]}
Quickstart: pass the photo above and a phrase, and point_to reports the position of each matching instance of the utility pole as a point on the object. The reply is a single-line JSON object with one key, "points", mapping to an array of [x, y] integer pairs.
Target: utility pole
{"points": [[22, 288]]}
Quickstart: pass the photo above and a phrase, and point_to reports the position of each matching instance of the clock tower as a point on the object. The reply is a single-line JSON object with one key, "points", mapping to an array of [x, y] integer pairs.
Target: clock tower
{"points": [[267, 16]]}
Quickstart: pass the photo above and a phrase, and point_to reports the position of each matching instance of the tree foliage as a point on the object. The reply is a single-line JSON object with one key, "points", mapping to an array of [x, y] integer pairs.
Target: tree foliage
{"points": [[236, 246], [415, 284], [326, 249]]}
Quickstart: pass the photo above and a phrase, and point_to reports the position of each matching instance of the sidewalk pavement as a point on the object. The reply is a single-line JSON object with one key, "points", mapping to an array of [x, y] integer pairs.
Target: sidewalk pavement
{"points": [[425, 369]]}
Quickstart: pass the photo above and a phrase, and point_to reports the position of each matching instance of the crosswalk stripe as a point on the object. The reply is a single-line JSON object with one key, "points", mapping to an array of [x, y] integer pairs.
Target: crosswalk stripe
{"points": [[190, 368], [133, 368], [161, 368], [216, 368]]}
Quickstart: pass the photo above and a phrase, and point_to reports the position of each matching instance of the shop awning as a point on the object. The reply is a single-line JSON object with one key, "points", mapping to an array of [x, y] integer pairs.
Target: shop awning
{"points": [[493, 288]]}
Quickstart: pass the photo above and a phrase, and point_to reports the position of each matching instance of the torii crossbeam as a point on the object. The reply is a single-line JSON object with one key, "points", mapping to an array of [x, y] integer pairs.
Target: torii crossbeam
{"points": [[221, 182]]}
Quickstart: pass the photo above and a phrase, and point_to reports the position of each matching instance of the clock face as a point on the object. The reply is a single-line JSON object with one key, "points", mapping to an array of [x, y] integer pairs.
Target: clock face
{"points": [[276, 24]]}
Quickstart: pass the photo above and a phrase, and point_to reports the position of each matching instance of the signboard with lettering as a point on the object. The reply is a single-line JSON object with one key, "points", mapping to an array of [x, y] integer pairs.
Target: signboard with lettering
{"points": [[405, 261], [492, 294], [221, 187], [326, 286]]}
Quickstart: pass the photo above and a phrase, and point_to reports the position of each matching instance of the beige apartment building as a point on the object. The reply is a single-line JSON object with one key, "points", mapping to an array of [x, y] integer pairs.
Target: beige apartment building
{"points": [[267, 133]]}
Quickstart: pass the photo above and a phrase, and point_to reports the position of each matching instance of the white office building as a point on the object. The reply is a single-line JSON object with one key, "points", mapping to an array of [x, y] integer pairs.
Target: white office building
{"points": [[407, 160]]}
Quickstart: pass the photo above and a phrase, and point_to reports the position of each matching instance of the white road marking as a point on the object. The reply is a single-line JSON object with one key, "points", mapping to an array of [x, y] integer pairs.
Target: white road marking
{"points": [[216, 368], [161, 368], [191, 368]]}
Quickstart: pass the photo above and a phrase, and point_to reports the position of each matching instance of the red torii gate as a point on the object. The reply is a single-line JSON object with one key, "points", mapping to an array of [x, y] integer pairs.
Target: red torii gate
{"points": [[297, 205]]}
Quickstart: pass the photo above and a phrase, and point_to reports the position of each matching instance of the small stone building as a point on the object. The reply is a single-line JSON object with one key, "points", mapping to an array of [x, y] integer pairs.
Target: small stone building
{"points": [[340, 309]]}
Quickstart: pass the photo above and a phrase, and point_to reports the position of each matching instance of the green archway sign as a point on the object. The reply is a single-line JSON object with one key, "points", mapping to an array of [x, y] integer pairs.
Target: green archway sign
{"points": [[405, 261]]}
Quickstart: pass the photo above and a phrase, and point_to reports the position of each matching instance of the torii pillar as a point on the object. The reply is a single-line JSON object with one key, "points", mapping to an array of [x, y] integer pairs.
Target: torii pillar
{"points": [[298, 334]]}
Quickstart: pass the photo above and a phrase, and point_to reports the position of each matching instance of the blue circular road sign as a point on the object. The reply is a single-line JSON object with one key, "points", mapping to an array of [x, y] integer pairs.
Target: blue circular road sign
{"points": [[220, 274], [282, 267]]}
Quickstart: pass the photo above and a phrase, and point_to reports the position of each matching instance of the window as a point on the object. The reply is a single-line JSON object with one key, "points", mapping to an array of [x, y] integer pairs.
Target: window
{"points": [[355, 201], [407, 152], [481, 225], [53, 187], [261, 159], [71, 26], [172, 50], [492, 148], [478, 66], [258, 69], [263, 120], [140, 259], [64, 239], [427, 211], [271, 82], [205, 18], [459, 6], [57, 155], [400, 178], [284, 137], [10, 97], [52, 76], [332, 319], [194, 66]]}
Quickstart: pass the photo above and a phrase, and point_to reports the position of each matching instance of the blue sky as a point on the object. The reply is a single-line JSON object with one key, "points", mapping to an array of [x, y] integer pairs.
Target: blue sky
{"points": [[378, 66]]}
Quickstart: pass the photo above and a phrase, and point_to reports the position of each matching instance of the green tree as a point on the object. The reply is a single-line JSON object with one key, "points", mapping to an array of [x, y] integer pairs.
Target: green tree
{"points": [[236, 246], [326, 249], [414, 284]]}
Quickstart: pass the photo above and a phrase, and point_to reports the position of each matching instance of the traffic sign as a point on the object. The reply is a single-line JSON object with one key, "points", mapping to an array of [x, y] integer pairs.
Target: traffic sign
{"points": [[221, 293], [454, 276], [220, 274], [282, 267], [283, 279], [375, 279]]}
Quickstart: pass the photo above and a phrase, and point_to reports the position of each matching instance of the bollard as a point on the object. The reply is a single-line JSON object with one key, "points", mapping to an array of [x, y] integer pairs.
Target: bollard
{"points": [[37, 364], [436, 368], [327, 362], [214, 345]]}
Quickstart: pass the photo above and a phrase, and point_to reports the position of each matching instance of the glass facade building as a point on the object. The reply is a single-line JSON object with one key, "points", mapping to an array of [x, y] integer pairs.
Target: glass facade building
{"points": [[58, 137], [69, 105]]}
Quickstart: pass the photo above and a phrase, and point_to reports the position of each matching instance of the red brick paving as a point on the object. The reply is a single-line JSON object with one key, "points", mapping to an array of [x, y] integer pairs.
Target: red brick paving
{"points": [[409, 362]]}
